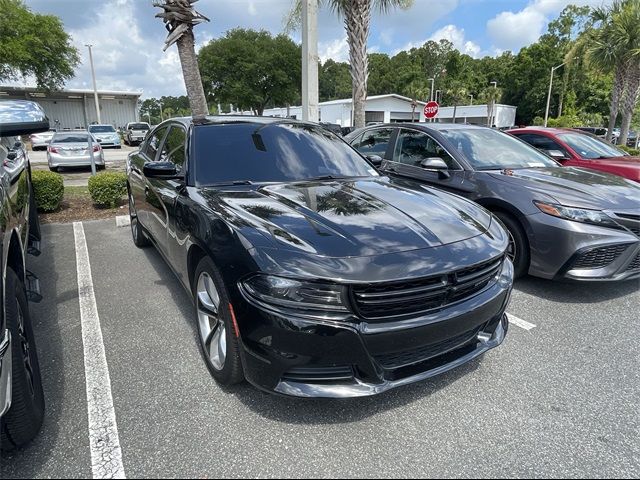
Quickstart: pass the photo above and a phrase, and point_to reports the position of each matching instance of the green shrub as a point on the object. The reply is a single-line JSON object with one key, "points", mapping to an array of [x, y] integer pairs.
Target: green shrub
{"points": [[48, 188], [107, 188], [631, 151]]}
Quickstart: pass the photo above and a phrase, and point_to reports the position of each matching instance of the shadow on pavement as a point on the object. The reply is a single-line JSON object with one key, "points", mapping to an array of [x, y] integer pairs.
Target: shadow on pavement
{"points": [[576, 292]]}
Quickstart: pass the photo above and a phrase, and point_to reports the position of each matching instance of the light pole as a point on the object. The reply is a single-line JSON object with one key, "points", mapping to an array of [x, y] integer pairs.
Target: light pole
{"points": [[553, 71], [162, 116], [95, 88], [471, 95], [491, 116], [438, 95], [310, 92], [433, 81]]}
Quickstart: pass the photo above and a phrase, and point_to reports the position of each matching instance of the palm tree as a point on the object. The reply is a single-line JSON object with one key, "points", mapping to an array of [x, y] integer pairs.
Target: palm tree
{"points": [[457, 94], [357, 21], [491, 95], [180, 17], [418, 90], [613, 45]]}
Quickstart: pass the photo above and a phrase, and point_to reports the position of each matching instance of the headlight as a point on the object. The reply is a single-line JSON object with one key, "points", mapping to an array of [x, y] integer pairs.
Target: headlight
{"points": [[594, 217], [285, 292]]}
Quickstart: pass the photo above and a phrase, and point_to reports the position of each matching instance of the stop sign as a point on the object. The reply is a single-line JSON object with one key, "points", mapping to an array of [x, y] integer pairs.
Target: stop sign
{"points": [[431, 109]]}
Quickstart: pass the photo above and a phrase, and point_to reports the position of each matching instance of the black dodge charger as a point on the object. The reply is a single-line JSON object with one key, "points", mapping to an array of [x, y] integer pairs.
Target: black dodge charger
{"points": [[311, 274]]}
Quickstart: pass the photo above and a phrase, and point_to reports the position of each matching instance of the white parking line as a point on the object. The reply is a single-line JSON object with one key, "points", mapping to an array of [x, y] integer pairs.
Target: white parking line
{"points": [[518, 322], [123, 221], [104, 444]]}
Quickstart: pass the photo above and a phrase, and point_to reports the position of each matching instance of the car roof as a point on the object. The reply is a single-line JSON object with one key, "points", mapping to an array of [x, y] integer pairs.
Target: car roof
{"points": [[227, 119], [552, 130]]}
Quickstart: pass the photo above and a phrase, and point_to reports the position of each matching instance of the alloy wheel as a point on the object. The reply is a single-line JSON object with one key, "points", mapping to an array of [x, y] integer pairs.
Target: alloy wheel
{"points": [[134, 219], [212, 327], [512, 249], [26, 351]]}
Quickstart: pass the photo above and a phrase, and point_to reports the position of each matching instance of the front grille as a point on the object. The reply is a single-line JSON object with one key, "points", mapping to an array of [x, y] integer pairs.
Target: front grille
{"points": [[319, 374], [632, 222], [599, 257], [635, 265], [403, 359], [422, 295]]}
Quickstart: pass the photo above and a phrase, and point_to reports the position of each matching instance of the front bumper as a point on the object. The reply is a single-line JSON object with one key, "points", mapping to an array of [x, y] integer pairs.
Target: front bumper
{"points": [[558, 248], [5, 372], [340, 359]]}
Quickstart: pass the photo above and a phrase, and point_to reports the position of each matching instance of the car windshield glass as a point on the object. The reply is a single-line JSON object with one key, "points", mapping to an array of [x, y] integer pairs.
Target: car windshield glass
{"points": [[138, 126], [589, 147], [71, 138], [488, 149], [102, 129], [276, 152]]}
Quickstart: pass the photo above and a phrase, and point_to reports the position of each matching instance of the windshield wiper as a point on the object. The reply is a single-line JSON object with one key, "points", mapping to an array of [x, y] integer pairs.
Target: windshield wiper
{"points": [[324, 177], [231, 182]]}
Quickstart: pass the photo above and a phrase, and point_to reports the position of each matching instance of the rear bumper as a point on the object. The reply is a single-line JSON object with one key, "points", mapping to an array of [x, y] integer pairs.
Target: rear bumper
{"points": [[557, 246], [60, 161], [5, 372], [318, 358]]}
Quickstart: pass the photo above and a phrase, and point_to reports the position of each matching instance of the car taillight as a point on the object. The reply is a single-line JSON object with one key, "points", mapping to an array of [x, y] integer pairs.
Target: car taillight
{"points": [[96, 148], [52, 150]]}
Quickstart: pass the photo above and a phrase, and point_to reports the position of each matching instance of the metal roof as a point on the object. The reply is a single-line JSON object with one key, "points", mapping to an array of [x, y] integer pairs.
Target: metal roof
{"points": [[34, 90]]}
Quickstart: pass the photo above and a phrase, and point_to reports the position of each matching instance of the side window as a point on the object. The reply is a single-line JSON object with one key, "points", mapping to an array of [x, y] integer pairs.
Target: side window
{"points": [[173, 149], [374, 142], [153, 143], [412, 147], [542, 143]]}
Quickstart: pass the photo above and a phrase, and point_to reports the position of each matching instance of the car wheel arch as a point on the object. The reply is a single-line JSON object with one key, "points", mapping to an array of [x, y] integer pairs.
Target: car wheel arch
{"points": [[15, 258]]}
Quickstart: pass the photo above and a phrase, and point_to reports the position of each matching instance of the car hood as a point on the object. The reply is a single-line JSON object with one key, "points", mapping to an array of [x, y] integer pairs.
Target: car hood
{"points": [[349, 218], [633, 162], [576, 187]]}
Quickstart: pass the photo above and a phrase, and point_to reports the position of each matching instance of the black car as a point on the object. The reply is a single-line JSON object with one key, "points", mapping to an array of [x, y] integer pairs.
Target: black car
{"points": [[21, 394], [311, 274], [564, 222]]}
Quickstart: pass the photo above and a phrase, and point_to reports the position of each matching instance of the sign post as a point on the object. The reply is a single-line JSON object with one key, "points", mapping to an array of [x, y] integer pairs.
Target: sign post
{"points": [[431, 109]]}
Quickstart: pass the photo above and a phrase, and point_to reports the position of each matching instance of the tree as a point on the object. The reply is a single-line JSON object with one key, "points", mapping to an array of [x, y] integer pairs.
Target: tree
{"points": [[252, 69], [180, 17], [491, 95], [612, 44], [357, 22], [456, 94], [34, 45], [334, 80]]}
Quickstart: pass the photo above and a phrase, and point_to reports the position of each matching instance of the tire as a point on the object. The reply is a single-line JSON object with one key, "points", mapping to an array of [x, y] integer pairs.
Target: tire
{"points": [[518, 239], [140, 238], [219, 323], [23, 420], [54, 169]]}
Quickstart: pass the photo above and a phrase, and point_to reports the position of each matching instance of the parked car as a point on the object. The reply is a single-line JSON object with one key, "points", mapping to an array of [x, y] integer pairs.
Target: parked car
{"points": [[40, 141], [106, 135], [311, 274], [71, 149], [135, 132], [564, 222], [576, 149], [332, 127], [632, 139], [599, 132], [21, 394]]}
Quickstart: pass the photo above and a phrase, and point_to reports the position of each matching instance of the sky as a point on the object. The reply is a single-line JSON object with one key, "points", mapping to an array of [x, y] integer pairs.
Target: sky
{"points": [[128, 40]]}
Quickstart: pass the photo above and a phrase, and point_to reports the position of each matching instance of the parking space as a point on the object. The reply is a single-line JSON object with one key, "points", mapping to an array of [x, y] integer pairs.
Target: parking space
{"points": [[560, 398]]}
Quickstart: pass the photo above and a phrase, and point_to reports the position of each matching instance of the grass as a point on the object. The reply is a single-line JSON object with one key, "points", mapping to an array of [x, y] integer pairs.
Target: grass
{"points": [[76, 192]]}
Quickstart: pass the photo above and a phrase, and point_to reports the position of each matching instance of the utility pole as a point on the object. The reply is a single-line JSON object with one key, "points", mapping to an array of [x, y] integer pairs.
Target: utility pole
{"points": [[95, 88], [310, 91], [471, 95], [553, 71], [433, 81], [161, 115]]}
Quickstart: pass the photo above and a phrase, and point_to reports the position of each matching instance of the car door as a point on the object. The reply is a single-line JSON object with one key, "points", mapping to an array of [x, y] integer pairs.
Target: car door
{"points": [[137, 181], [17, 184], [374, 143], [162, 193], [412, 148]]}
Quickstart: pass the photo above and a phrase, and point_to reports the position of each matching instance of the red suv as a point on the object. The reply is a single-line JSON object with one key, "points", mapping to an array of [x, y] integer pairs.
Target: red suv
{"points": [[573, 148]]}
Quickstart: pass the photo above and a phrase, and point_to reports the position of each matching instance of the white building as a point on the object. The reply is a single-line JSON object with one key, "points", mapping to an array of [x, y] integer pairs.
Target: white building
{"points": [[76, 108], [504, 115], [380, 108]]}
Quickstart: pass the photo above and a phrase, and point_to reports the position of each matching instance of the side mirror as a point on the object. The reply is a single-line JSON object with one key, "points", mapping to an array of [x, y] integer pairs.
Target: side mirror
{"points": [[434, 163], [160, 170], [21, 117], [557, 154], [376, 160]]}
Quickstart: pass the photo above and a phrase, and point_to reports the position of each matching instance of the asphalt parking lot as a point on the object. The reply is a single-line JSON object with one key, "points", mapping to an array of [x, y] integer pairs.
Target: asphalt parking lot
{"points": [[561, 397]]}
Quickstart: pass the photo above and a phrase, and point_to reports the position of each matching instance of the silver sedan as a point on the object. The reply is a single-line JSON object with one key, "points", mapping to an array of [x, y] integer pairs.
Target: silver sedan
{"points": [[71, 149], [40, 141]]}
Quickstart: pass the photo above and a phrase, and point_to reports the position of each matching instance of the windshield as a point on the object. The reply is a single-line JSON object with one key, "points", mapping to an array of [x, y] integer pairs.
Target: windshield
{"points": [[138, 126], [589, 147], [70, 138], [276, 152], [487, 149], [102, 129]]}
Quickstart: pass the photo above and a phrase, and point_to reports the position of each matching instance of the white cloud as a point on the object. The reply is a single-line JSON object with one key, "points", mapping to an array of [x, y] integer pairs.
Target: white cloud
{"points": [[337, 49], [253, 11], [452, 33], [513, 30]]}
